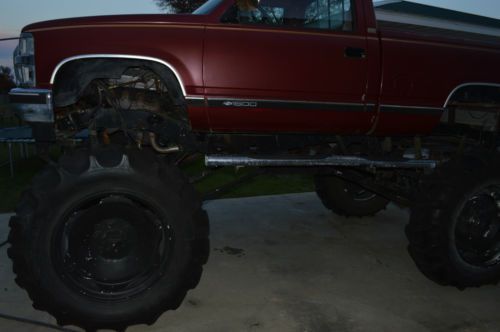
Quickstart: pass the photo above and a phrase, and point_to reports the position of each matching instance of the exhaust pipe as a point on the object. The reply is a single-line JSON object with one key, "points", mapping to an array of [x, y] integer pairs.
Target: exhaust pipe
{"points": [[339, 161]]}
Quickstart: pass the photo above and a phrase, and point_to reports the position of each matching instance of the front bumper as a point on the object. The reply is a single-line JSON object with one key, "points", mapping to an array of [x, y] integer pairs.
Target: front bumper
{"points": [[33, 105]]}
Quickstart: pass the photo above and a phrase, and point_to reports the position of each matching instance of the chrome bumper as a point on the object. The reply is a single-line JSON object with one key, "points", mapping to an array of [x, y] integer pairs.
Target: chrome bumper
{"points": [[33, 105]]}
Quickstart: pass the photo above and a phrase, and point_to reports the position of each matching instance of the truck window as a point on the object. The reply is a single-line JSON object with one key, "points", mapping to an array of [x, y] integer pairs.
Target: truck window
{"points": [[207, 7], [307, 14], [329, 14]]}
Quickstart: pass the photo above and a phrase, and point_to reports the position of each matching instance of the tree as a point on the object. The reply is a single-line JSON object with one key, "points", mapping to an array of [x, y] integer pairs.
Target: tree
{"points": [[179, 6], [6, 79]]}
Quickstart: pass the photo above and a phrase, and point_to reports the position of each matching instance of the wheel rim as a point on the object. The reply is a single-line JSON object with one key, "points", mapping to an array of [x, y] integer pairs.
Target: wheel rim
{"points": [[358, 193], [112, 247], [477, 231]]}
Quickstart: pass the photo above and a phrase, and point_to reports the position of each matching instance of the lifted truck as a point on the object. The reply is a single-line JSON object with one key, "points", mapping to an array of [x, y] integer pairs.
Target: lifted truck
{"points": [[113, 234]]}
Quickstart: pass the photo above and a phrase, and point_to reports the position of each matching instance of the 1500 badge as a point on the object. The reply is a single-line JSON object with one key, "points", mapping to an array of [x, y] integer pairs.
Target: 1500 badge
{"points": [[229, 103]]}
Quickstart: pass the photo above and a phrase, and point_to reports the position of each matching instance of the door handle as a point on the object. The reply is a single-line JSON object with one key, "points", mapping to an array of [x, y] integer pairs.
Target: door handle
{"points": [[355, 53]]}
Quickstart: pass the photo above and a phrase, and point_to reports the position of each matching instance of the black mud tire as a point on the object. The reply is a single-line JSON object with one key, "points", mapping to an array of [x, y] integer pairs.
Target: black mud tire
{"points": [[347, 199], [155, 193], [444, 242]]}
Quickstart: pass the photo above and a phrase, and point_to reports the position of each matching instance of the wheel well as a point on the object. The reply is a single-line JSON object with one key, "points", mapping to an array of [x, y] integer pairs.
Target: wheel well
{"points": [[474, 105], [73, 77], [479, 94], [132, 98]]}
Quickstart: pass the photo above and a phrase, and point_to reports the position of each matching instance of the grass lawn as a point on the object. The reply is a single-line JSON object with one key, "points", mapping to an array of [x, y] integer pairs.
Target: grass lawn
{"points": [[265, 184], [11, 187]]}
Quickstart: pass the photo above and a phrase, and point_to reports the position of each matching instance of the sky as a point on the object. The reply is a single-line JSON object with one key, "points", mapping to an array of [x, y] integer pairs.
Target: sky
{"points": [[14, 14]]}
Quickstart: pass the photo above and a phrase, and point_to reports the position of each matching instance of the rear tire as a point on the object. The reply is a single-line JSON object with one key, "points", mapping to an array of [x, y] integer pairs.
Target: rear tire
{"points": [[346, 198], [454, 228], [108, 239]]}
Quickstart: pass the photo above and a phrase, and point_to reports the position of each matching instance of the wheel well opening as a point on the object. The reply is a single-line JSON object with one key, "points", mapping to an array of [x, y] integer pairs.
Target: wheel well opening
{"points": [[132, 98], [476, 95], [73, 78], [474, 106]]}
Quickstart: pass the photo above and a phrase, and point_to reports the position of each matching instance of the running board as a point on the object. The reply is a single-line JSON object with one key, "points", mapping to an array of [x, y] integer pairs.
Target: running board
{"points": [[340, 161]]}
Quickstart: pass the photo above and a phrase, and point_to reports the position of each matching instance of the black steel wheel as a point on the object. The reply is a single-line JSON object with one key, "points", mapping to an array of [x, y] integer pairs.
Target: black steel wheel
{"points": [[454, 228], [112, 246], [108, 239], [477, 227], [346, 198]]}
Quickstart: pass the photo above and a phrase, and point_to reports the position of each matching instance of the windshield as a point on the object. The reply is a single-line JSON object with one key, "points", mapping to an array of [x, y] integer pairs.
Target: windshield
{"points": [[207, 7]]}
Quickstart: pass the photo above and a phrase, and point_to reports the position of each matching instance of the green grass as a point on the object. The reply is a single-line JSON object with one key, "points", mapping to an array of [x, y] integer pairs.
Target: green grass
{"points": [[7, 118], [11, 188], [265, 184]]}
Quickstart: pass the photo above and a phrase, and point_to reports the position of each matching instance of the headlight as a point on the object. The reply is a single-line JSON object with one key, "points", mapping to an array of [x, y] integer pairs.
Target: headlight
{"points": [[24, 61]]}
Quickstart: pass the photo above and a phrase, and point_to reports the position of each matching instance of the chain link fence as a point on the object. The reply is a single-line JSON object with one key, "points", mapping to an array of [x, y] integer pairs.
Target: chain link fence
{"points": [[15, 139]]}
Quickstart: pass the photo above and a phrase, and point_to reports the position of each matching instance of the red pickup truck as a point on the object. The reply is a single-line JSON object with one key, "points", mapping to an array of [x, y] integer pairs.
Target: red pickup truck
{"points": [[113, 234]]}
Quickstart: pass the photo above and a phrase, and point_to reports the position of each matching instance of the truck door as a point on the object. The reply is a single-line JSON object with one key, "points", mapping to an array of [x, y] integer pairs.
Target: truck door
{"points": [[288, 66]]}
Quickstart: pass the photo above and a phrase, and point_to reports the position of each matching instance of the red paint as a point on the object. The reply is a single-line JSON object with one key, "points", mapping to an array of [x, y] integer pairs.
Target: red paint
{"points": [[290, 64], [198, 117], [287, 120]]}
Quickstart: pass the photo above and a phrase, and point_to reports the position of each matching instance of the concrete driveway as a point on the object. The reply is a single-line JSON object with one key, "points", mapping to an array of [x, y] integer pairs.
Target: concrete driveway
{"points": [[285, 263]]}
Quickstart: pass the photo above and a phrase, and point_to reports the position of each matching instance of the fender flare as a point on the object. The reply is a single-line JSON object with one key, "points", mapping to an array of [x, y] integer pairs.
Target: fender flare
{"points": [[88, 67], [467, 85]]}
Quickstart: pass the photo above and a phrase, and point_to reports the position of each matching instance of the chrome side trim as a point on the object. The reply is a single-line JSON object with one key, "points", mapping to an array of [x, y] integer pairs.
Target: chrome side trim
{"points": [[412, 107], [285, 101], [465, 85], [195, 101], [232, 103], [33, 105], [118, 56], [339, 161], [419, 110]]}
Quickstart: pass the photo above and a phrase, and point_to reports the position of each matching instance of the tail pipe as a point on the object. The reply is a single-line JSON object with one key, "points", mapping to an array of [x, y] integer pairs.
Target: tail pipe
{"points": [[338, 161]]}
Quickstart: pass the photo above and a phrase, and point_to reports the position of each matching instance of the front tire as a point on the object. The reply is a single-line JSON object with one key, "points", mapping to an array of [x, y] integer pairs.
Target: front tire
{"points": [[454, 228], [108, 239]]}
